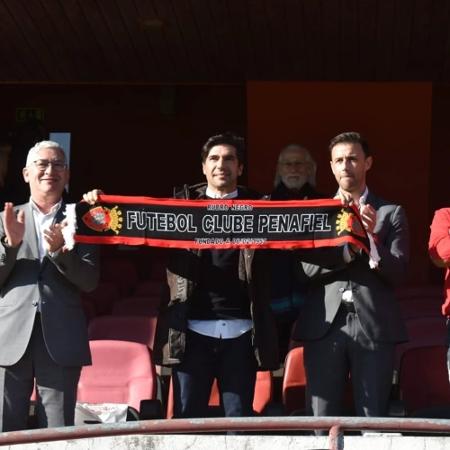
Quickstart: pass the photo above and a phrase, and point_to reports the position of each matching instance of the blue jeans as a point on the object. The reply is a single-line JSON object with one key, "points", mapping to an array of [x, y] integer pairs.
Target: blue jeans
{"points": [[231, 361]]}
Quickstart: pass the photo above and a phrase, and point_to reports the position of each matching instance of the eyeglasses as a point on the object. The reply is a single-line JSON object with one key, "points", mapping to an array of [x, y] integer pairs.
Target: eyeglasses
{"points": [[43, 164]]}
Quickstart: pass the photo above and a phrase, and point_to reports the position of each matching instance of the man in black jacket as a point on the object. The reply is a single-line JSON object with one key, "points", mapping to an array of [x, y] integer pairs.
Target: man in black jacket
{"points": [[218, 323]]}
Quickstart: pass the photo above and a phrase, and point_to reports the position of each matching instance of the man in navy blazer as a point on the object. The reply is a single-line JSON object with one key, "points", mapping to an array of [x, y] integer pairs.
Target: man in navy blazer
{"points": [[350, 322], [43, 331]]}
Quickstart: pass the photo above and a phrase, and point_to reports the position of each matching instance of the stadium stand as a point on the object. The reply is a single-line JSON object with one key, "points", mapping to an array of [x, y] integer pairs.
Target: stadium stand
{"points": [[102, 298], [421, 368], [140, 329], [424, 383], [136, 306], [122, 272], [149, 287]]}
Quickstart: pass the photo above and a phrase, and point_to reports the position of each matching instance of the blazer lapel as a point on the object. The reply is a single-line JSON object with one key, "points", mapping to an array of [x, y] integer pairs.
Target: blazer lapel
{"points": [[60, 214], [30, 230], [372, 200]]}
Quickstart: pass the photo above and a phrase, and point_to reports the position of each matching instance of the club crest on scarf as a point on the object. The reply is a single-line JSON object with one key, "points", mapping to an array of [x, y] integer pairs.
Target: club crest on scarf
{"points": [[348, 221], [102, 219]]}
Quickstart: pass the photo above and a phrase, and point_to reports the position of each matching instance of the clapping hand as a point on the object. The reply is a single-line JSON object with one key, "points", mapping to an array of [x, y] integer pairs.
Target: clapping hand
{"points": [[368, 217], [53, 237], [14, 225]]}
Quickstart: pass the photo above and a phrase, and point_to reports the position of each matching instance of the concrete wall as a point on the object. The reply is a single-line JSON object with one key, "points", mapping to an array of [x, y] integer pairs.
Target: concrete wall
{"points": [[198, 442]]}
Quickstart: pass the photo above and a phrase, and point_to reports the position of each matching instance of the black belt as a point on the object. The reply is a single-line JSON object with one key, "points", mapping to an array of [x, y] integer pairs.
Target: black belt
{"points": [[348, 307]]}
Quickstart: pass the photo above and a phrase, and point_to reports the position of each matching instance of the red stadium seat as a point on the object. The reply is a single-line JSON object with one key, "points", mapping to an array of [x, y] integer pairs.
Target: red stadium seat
{"points": [[421, 366], [294, 382], [422, 332], [262, 396], [139, 329], [424, 382], [121, 372]]}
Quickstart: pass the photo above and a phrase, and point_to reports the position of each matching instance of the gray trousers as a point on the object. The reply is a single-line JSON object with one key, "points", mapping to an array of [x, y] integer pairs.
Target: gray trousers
{"points": [[56, 388], [346, 350]]}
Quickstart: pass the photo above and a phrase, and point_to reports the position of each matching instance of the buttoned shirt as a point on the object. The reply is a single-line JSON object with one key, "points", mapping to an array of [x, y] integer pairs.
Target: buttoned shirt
{"points": [[347, 295], [43, 222]]}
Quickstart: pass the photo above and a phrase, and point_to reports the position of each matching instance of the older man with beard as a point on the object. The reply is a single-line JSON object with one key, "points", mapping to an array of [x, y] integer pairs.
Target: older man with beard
{"points": [[295, 179]]}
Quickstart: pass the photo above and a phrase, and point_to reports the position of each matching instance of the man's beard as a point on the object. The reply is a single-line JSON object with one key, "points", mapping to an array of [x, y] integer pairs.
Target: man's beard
{"points": [[294, 182]]}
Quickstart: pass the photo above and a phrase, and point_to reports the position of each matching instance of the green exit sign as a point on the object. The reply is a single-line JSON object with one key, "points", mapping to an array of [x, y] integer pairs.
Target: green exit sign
{"points": [[27, 114]]}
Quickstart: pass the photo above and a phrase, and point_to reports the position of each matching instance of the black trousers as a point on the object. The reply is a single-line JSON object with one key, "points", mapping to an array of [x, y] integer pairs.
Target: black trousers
{"points": [[346, 350], [231, 361]]}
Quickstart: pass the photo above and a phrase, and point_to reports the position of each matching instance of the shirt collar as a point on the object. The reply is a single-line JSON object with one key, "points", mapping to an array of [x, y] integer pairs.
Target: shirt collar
{"points": [[53, 209], [211, 194], [363, 196]]}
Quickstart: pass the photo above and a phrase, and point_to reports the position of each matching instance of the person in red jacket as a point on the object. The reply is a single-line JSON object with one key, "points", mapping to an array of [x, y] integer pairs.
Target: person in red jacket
{"points": [[439, 250]]}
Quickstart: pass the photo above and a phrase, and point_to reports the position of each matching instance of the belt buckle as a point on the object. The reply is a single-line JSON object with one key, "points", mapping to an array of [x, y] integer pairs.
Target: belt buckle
{"points": [[347, 296], [347, 301]]}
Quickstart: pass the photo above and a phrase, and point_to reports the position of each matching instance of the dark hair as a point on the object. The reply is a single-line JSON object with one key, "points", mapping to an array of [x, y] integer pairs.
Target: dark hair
{"points": [[228, 138], [350, 137]]}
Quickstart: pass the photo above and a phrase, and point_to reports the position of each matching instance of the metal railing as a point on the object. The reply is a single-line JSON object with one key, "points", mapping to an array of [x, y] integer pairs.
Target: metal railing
{"points": [[336, 426]]}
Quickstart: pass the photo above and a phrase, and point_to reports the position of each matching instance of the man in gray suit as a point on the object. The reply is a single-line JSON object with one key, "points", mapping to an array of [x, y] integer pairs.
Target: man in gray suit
{"points": [[350, 322], [43, 330]]}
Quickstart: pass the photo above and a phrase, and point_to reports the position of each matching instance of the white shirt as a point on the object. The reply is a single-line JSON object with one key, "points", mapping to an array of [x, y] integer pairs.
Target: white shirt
{"points": [[374, 256], [347, 295], [224, 329], [362, 201], [210, 193], [43, 222]]}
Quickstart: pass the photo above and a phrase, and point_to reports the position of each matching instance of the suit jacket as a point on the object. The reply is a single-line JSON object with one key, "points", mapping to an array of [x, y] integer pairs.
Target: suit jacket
{"points": [[53, 284], [373, 289]]}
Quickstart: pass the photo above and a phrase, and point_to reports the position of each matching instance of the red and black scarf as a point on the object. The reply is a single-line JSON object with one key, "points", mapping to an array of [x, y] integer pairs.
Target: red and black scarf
{"points": [[219, 224]]}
